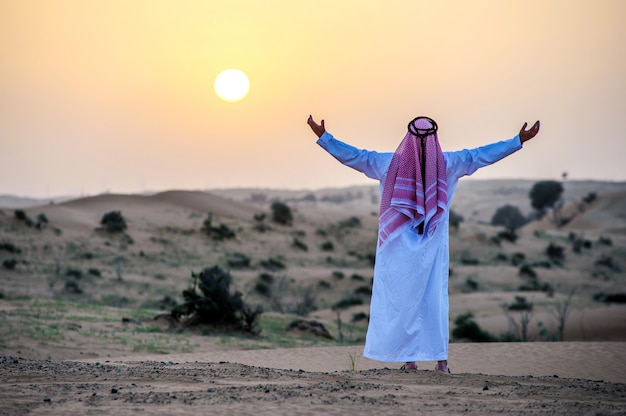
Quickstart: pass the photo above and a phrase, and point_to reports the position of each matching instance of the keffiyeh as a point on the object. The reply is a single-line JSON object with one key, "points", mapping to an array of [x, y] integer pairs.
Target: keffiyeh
{"points": [[415, 188]]}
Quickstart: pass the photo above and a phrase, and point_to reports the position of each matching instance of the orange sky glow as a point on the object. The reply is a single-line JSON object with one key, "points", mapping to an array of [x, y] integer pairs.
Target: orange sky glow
{"points": [[117, 95]]}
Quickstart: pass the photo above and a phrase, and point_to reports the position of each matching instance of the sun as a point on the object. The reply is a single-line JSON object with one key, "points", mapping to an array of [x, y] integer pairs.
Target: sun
{"points": [[231, 85]]}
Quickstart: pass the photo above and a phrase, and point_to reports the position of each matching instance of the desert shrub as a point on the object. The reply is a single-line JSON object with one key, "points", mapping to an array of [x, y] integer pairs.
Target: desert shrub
{"points": [[508, 235], [338, 274], [605, 241], [469, 260], [9, 247], [509, 217], [363, 290], [555, 252], [75, 273], [347, 302], [607, 261], [545, 194], [455, 219], [299, 244], [517, 258], [533, 284], [470, 285], [71, 286], [501, 257], [113, 222], [281, 213], [9, 264], [323, 284], [327, 246], [263, 289], [520, 304], [238, 260], [94, 272], [527, 271], [272, 263], [590, 197], [610, 298], [352, 222], [360, 316], [357, 277], [214, 304], [542, 263], [467, 329], [21, 215], [221, 232], [266, 278], [42, 221]]}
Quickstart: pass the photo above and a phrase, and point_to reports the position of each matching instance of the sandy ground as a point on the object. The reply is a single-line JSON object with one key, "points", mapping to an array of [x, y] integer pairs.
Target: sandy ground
{"points": [[504, 378], [94, 373]]}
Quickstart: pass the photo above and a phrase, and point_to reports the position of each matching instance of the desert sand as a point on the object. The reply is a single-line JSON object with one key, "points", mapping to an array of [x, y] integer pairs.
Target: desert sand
{"points": [[78, 333]]}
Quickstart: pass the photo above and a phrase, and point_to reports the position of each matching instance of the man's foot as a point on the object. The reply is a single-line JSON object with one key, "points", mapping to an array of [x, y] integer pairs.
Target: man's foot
{"points": [[442, 366], [409, 366]]}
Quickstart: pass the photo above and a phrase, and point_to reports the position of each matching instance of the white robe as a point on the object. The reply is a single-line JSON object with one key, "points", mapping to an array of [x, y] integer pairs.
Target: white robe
{"points": [[409, 307]]}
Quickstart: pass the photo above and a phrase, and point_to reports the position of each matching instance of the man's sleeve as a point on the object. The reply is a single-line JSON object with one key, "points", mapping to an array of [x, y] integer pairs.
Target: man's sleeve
{"points": [[372, 164], [467, 161]]}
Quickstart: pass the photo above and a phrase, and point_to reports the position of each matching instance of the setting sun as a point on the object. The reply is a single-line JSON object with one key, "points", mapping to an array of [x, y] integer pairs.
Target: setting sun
{"points": [[231, 85]]}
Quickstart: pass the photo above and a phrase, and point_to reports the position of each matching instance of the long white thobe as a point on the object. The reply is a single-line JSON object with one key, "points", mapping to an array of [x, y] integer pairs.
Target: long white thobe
{"points": [[409, 307]]}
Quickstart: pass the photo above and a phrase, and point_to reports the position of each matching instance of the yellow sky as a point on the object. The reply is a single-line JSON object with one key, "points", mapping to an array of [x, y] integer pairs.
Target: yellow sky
{"points": [[117, 95]]}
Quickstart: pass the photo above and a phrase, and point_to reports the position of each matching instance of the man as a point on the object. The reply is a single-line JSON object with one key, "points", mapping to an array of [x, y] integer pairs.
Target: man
{"points": [[409, 308]]}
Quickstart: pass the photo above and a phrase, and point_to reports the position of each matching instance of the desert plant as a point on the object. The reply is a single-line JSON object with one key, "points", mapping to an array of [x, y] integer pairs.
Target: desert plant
{"points": [[215, 305], [272, 263], [455, 219], [113, 222], [327, 246], [545, 194], [555, 252], [527, 271], [523, 308], [281, 213], [221, 232], [299, 244], [9, 247], [237, 260], [508, 216], [467, 329], [21, 215], [9, 264], [561, 312]]}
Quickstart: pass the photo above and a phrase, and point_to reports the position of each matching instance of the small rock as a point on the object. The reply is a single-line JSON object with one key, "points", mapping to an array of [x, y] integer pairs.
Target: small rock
{"points": [[113, 391], [485, 388]]}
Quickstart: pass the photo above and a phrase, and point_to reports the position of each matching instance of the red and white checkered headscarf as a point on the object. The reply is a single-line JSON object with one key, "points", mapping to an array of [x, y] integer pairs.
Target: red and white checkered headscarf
{"points": [[415, 192]]}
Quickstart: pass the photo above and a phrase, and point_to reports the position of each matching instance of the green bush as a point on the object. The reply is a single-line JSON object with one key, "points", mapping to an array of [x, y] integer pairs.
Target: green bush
{"points": [[221, 232], [467, 329], [9, 247], [347, 302], [113, 222], [327, 246], [214, 304], [9, 264], [281, 213], [20, 215]]}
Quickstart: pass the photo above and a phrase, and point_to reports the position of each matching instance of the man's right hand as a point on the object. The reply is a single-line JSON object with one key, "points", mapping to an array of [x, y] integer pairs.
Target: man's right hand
{"points": [[318, 129]]}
